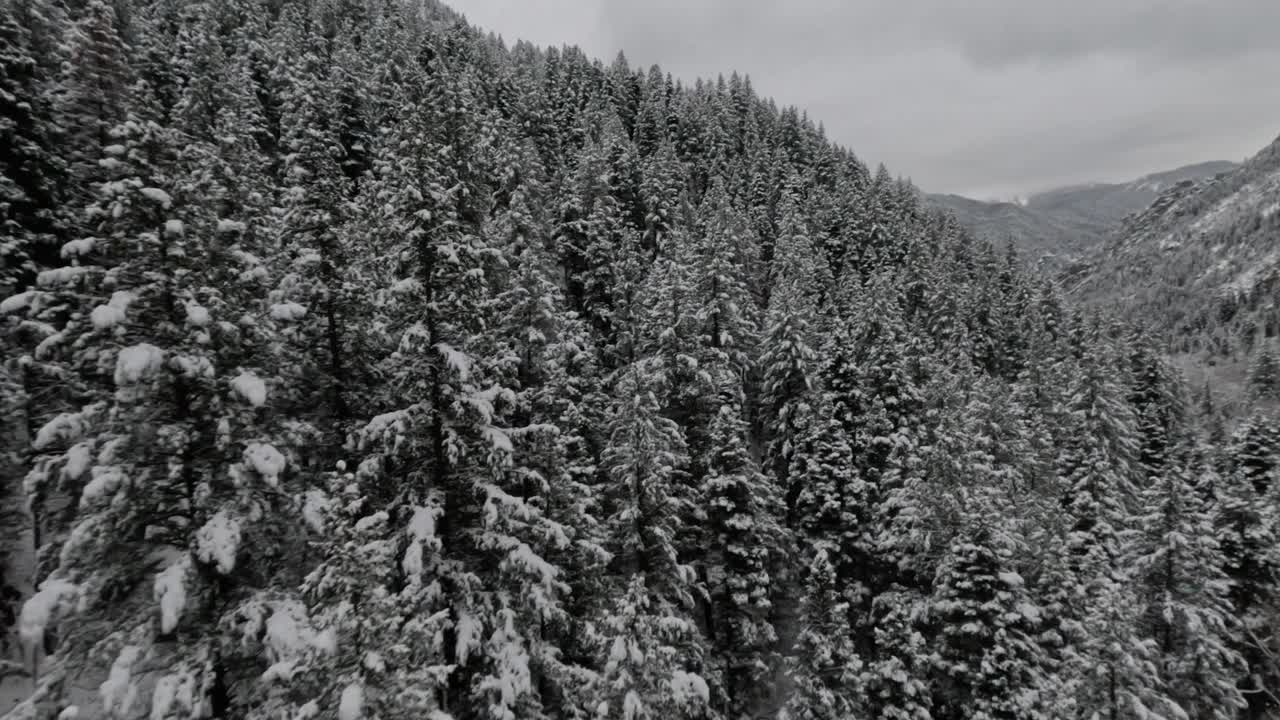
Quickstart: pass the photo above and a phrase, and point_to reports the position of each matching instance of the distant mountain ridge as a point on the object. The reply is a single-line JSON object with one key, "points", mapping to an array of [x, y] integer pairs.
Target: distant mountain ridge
{"points": [[1061, 225]]}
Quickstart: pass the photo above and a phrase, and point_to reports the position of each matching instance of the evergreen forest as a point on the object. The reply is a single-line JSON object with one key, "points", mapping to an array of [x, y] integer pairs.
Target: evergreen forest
{"points": [[359, 365]]}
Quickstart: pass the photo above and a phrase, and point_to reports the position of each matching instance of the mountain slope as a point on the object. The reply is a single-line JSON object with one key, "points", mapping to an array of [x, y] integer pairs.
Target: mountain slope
{"points": [[1108, 201], [1060, 225], [1042, 236], [1201, 265]]}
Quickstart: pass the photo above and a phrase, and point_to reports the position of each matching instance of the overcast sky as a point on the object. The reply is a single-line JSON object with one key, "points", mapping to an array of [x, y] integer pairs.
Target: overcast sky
{"points": [[989, 98]]}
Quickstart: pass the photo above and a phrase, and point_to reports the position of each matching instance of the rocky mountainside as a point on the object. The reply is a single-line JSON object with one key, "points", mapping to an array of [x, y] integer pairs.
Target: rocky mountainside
{"points": [[1201, 265], [1059, 226], [1112, 201]]}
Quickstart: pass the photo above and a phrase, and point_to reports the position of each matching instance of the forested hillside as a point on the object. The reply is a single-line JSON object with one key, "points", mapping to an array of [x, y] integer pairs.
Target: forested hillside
{"points": [[357, 366]]}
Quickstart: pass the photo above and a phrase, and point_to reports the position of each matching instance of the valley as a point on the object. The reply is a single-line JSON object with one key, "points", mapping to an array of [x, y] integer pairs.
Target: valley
{"points": [[1059, 227]]}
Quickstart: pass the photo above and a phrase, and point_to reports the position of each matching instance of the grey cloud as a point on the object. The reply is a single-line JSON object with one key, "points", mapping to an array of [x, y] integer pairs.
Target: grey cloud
{"points": [[994, 32], [1179, 31]]}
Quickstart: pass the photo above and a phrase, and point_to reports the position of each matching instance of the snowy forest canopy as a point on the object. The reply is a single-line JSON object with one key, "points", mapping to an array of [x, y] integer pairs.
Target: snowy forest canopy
{"points": [[358, 366]]}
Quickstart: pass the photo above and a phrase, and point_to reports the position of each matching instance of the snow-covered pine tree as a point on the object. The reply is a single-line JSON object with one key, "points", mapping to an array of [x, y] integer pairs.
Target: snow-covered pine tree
{"points": [[172, 468], [1158, 399], [670, 336], [592, 236], [825, 494], [1248, 529], [788, 387], [989, 664], [723, 303], [645, 461], [651, 117], [316, 197], [90, 98], [876, 400], [1184, 590], [789, 397], [788, 360], [894, 680], [556, 431], [1110, 670], [444, 447], [1107, 666], [654, 652], [32, 182], [745, 544], [30, 170], [822, 666], [1097, 466], [661, 189], [651, 662], [1264, 375], [724, 328], [202, 70]]}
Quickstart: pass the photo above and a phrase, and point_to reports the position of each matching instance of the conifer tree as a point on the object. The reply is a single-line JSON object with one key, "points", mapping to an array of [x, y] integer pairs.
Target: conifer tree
{"points": [[651, 118], [825, 495], [1185, 591], [645, 459], [1107, 667], [30, 172], [1110, 670], [174, 462], [724, 307], [1247, 531], [1264, 375], [202, 67], [660, 192], [894, 682], [91, 98], [645, 646], [787, 357], [1097, 467], [1159, 407], [823, 666], [670, 336], [592, 227], [316, 198], [494, 578], [989, 664], [556, 384], [878, 406], [788, 389], [745, 544]]}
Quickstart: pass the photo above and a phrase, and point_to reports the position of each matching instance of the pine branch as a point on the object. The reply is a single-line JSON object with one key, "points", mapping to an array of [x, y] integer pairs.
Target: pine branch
{"points": [[1271, 657]]}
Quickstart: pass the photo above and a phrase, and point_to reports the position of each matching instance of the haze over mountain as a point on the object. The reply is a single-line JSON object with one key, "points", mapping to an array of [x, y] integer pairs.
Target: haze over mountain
{"points": [[1060, 224]]}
